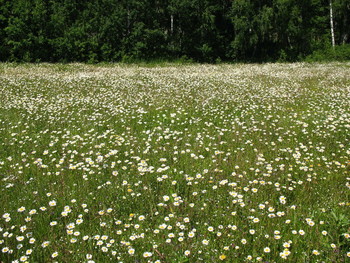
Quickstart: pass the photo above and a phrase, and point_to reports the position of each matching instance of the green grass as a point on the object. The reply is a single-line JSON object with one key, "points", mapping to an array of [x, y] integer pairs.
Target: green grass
{"points": [[191, 163]]}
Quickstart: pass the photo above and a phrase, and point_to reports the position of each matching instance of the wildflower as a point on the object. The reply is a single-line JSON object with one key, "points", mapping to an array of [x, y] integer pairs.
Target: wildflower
{"points": [[286, 244], [21, 209], [99, 243], [23, 258], [282, 199], [32, 212], [20, 238], [45, 244]]}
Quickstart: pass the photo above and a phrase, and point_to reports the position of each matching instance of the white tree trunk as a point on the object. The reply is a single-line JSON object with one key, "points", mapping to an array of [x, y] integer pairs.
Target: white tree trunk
{"points": [[331, 22], [171, 24]]}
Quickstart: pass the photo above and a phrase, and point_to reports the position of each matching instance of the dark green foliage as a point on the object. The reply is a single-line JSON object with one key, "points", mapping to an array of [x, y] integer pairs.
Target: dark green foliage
{"points": [[200, 30], [339, 53]]}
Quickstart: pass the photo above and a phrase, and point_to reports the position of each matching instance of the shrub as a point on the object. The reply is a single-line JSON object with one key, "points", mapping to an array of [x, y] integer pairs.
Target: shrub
{"points": [[338, 53]]}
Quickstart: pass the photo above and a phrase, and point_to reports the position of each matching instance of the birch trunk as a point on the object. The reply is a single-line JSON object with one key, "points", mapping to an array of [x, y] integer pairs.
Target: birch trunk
{"points": [[331, 22], [171, 24]]}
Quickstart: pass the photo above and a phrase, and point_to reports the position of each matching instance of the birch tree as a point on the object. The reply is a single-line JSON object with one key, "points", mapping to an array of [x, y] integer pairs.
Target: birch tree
{"points": [[331, 22]]}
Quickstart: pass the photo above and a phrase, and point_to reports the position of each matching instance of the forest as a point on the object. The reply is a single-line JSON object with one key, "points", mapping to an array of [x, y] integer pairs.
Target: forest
{"points": [[190, 30]]}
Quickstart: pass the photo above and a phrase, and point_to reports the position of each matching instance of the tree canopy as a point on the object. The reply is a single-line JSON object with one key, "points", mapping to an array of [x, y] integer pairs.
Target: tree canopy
{"points": [[202, 30]]}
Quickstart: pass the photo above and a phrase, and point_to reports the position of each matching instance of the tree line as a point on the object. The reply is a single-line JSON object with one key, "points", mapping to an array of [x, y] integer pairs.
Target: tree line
{"points": [[201, 30]]}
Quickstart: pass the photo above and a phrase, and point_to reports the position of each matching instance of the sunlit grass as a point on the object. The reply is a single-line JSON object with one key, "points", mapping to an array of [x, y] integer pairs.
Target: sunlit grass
{"points": [[195, 163]]}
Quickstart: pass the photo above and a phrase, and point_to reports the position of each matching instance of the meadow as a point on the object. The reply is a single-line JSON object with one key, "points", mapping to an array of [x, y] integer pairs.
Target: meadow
{"points": [[175, 163]]}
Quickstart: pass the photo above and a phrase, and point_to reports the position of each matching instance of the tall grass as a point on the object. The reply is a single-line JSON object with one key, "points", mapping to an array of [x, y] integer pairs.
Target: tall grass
{"points": [[191, 163]]}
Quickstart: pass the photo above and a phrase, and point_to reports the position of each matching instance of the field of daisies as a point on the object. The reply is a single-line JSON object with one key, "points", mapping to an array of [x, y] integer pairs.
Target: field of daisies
{"points": [[175, 163]]}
